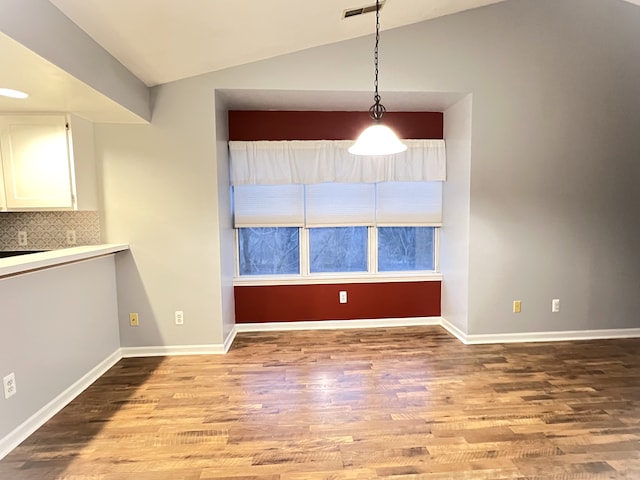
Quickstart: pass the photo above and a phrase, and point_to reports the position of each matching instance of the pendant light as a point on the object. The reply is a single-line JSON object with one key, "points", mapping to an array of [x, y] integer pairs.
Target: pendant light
{"points": [[377, 139]]}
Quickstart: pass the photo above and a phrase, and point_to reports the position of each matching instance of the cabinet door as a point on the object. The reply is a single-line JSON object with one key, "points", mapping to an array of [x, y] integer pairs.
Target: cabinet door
{"points": [[3, 202], [35, 161]]}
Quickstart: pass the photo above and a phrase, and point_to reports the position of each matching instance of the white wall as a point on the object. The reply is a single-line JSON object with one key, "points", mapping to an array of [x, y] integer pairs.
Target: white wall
{"points": [[56, 325], [454, 234], [553, 170]]}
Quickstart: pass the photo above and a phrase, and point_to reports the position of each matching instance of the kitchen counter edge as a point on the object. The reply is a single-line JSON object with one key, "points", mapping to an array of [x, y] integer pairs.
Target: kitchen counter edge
{"points": [[25, 263]]}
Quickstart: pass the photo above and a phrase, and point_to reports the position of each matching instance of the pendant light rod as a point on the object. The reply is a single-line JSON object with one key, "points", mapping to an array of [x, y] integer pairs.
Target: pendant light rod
{"points": [[377, 110], [377, 139]]}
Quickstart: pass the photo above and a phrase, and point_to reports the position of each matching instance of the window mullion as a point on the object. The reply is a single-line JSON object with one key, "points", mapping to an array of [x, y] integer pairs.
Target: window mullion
{"points": [[237, 240], [373, 249], [436, 249], [304, 251]]}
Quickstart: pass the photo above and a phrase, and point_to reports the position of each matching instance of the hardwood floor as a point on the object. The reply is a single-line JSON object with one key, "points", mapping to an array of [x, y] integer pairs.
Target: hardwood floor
{"points": [[400, 403]]}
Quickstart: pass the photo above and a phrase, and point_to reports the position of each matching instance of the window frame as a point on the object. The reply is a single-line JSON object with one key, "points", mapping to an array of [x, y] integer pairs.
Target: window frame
{"points": [[371, 275]]}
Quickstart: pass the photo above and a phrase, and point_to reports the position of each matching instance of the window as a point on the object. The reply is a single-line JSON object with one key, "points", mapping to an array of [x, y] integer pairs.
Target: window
{"points": [[269, 251], [338, 249], [303, 251], [356, 228], [405, 248]]}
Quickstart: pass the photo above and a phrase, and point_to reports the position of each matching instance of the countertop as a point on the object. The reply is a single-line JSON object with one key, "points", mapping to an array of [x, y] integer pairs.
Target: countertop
{"points": [[24, 263]]}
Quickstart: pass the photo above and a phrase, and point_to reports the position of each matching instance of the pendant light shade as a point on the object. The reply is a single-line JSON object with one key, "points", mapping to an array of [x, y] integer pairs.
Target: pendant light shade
{"points": [[377, 139]]}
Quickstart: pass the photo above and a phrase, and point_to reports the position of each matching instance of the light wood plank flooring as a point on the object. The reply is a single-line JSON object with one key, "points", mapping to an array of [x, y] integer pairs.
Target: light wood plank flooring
{"points": [[399, 403]]}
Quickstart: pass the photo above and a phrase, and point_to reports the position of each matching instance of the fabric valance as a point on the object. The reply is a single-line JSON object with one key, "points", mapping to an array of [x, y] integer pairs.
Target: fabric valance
{"points": [[320, 161]]}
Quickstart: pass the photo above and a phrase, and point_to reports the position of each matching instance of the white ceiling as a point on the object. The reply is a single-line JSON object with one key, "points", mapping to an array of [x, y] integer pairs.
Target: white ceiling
{"points": [[160, 41], [165, 40]]}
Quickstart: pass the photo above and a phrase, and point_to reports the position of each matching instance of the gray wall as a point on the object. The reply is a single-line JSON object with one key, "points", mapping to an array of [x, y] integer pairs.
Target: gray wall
{"points": [[226, 234], [553, 168], [160, 195], [554, 171], [56, 325]]}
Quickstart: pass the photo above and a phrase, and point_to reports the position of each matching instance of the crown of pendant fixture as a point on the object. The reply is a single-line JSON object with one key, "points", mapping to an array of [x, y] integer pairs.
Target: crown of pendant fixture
{"points": [[377, 139]]}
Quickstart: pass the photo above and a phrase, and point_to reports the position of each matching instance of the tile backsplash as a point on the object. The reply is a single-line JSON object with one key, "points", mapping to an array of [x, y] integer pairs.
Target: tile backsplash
{"points": [[48, 230]]}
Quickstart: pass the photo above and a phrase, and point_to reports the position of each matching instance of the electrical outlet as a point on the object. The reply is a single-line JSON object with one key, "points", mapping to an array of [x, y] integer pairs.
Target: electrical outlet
{"points": [[555, 305], [343, 297], [22, 238], [133, 319], [179, 317], [9, 383], [71, 237], [517, 306]]}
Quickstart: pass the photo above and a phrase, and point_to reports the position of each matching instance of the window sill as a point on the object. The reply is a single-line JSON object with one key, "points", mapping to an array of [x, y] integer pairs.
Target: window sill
{"points": [[258, 280]]}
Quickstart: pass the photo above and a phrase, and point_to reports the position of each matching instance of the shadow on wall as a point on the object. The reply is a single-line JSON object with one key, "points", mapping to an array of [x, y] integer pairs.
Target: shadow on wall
{"points": [[132, 297]]}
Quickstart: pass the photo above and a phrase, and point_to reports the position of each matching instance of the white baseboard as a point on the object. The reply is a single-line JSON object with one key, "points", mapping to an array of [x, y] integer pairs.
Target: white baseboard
{"points": [[22, 432], [453, 330], [337, 324], [562, 336], [171, 350], [607, 334], [229, 340]]}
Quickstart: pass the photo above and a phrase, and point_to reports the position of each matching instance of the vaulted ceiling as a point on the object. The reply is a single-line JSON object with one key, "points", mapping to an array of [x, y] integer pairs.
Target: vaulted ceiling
{"points": [[160, 41], [164, 40]]}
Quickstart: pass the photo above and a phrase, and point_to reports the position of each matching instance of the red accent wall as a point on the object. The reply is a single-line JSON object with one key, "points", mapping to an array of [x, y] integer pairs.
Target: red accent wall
{"points": [[248, 125], [289, 303]]}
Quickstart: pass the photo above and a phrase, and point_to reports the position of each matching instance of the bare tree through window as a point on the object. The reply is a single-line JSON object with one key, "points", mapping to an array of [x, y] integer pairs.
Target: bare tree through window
{"points": [[405, 248], [338, 249], [269, 251]]}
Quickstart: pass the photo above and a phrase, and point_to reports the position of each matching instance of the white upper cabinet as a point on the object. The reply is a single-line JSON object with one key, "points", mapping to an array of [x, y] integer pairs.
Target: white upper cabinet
{"points": [[3, 202], [35, 162], [40, 169], [83, 163]]}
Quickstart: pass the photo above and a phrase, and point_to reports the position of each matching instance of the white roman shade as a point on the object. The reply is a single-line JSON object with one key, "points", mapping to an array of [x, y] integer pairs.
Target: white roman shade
{"points": [[320, 184], [340, 204], [322, 161], [268, 205], [409, 203]]}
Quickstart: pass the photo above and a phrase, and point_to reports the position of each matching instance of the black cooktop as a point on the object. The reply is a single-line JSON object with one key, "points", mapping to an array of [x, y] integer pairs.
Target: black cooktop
{"points": [[13, 253]]}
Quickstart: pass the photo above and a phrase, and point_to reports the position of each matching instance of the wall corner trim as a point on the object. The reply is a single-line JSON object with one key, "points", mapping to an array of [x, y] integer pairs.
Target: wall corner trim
{"points": [[23, 431], [453, 330], [229, 340]]}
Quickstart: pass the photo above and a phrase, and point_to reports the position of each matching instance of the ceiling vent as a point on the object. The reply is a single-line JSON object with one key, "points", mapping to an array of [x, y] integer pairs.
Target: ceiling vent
{"points": [[354, 12]]}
